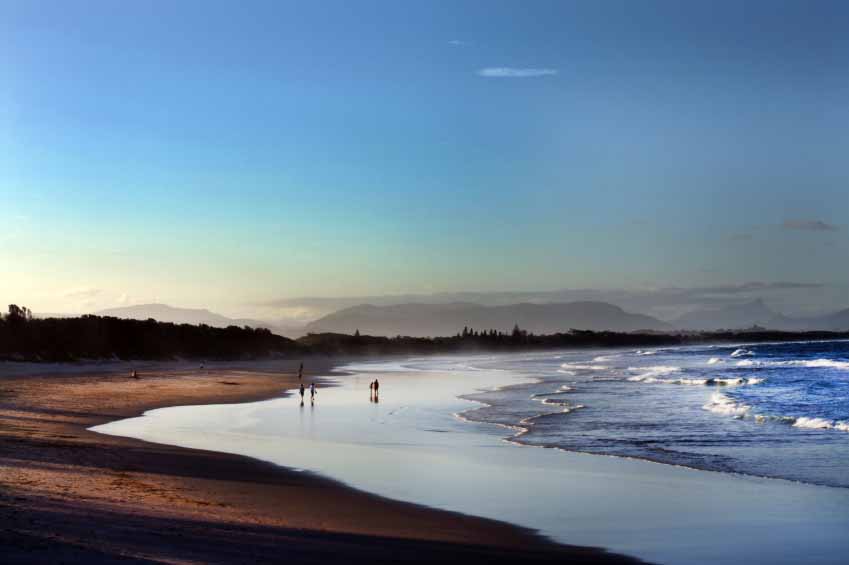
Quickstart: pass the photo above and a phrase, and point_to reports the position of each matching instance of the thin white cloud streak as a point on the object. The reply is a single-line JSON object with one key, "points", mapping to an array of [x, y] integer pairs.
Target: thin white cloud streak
{"points": [[808, 225], [511, 72], [81, 293]]}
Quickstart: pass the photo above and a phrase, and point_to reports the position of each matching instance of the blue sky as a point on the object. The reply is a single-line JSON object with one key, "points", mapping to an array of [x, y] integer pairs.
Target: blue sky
{"points": [[223, 154]]}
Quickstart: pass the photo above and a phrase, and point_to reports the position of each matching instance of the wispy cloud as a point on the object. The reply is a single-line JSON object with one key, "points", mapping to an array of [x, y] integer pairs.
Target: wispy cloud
{"points": [[808, 225], [458, 43], [511, 72], [81, 293]]}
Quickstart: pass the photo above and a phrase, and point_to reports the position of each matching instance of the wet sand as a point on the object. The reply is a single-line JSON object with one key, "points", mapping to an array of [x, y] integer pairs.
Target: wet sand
{"points": [[75, 496]]}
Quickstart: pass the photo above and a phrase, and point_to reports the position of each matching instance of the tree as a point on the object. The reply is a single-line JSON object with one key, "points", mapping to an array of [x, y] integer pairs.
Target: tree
{"points": [[19, 313], [357, 333]]}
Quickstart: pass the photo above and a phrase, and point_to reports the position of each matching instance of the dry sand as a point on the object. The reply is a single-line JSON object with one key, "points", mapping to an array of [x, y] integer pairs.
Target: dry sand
{"points": [[74, 496]]}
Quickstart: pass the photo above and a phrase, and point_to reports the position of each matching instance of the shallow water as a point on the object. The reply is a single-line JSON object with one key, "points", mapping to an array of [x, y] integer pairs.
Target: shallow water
{"points": [[411, 446]]}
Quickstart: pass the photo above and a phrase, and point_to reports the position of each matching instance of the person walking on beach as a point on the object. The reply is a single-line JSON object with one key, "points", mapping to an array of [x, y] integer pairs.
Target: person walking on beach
{"points": [[312, 392], [302, 394], [376, 386]]}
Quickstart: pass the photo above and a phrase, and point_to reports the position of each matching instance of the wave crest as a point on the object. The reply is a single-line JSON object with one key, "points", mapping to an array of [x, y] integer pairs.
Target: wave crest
{"points": [[721, 404]]}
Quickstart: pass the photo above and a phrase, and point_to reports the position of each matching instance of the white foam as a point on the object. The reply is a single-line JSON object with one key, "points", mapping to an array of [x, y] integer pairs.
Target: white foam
{"points": [[714, 361], [603, 358], [810, 363], [656, 369], [583, 367], [721, 404], [824, 363], [684, 381], [644, 379], [742, 353], [651, 374], [648, 352], [813, 423]]}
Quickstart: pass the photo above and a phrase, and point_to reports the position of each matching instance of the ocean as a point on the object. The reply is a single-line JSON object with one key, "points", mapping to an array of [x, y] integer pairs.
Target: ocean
{"points": [[769, 410]]}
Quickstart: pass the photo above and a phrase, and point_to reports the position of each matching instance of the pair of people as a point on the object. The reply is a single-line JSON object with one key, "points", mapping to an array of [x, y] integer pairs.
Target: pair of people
{"points": [[313, 392], [373, 388]]}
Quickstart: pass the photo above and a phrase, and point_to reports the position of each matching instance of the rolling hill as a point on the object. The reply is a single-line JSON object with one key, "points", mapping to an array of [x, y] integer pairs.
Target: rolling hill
{"points": [[424, 320]]}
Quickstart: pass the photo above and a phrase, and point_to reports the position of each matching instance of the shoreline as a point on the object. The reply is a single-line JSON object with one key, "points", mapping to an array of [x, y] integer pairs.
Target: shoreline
{"points": [[151, 502]]}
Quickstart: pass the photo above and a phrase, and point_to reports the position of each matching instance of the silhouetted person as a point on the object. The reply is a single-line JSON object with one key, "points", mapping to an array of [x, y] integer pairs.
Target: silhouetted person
{"points": [[312, 392], [302, 394], [301, 371], [376, 386], [134, 374]]}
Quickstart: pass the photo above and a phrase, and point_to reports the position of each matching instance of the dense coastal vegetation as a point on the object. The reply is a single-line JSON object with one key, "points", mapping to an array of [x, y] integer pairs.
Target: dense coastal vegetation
{"points": [[24, 338]]}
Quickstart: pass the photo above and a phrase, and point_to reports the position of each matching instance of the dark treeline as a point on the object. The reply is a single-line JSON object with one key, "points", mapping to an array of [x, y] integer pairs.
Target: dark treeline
{"points": [[24, 338], [519, 340]]}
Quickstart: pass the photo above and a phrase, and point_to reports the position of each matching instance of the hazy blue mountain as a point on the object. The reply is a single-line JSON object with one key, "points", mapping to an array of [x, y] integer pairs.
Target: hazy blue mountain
{"points": [[165, 313], [737, 316], [448, 319], [839, 321]]}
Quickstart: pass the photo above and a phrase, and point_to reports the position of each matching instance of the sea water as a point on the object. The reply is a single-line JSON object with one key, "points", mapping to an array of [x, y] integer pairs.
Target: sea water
{"points": [[771, 410]]}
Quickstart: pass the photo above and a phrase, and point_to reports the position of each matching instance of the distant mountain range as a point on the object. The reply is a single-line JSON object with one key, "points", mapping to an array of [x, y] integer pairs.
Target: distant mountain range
{"points": [[165, 313], [754, 313], [426, 320], [757, 313], [423, 320]]}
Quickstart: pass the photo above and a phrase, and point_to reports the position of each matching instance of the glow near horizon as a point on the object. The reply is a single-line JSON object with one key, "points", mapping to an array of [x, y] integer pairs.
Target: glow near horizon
{"points": [[288, 149]]}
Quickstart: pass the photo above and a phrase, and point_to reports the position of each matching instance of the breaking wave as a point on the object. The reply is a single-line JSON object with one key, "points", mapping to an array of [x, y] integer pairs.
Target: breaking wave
{"points": [[809, 363], [722, 404]]}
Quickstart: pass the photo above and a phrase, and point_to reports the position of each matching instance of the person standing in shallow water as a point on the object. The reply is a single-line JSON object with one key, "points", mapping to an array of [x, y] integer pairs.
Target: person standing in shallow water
{"points": [[312, 392], [302, 394]]}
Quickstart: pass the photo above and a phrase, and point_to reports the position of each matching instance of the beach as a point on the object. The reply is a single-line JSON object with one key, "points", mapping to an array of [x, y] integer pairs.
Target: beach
{"points": [[71, 495]]}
